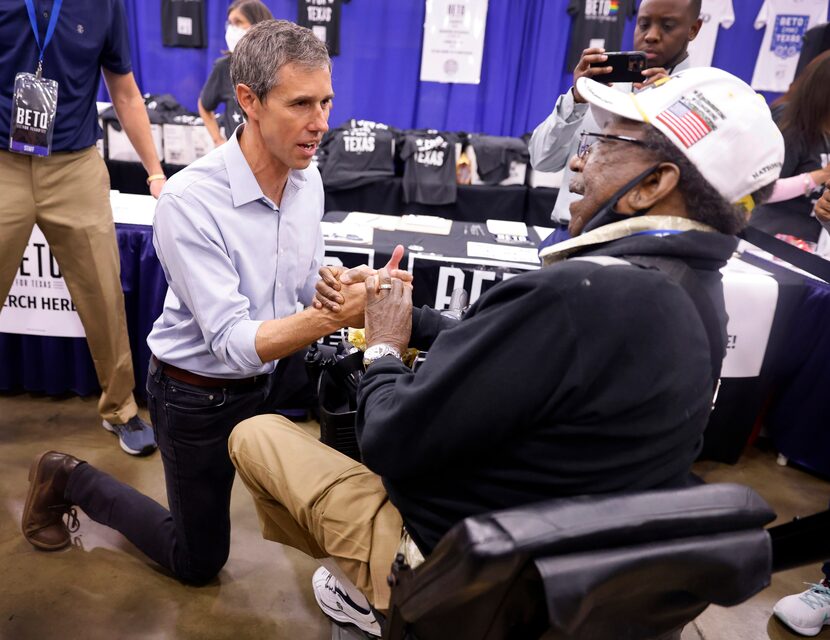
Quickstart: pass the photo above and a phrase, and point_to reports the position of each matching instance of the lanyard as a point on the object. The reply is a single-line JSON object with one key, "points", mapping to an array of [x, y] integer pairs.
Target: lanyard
{"points": [[53, 20], [658, 232]]}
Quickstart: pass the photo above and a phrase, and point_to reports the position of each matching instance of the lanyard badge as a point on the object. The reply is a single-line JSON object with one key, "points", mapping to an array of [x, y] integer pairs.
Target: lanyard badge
{"points": [[35, 99]]}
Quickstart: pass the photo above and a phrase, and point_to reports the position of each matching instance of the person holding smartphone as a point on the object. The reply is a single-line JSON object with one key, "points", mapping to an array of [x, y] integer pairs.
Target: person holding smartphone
{"points": [[663, 32]]}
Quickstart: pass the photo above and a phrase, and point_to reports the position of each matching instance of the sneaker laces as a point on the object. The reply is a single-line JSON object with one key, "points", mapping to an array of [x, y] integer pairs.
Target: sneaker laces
{"points": [[816, 597], [134, 424]]}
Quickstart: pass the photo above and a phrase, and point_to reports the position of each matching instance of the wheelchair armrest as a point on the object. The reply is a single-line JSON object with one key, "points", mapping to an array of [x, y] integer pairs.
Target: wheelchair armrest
{"points": [[484, 559]]}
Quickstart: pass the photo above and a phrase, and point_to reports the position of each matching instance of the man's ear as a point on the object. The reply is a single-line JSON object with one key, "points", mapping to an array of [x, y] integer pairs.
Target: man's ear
{"points": [[695, 29], [247, 99], [654, 187]]}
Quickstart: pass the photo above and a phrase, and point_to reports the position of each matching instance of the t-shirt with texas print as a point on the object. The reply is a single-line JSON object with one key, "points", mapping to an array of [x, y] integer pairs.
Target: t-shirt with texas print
{"points": [[356, 153], [786, 22], [429, 167]]}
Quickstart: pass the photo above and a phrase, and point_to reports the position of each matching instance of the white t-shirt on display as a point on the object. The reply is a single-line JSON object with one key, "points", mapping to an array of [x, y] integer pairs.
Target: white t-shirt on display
{"points": [[715, 13], [786, 21]]}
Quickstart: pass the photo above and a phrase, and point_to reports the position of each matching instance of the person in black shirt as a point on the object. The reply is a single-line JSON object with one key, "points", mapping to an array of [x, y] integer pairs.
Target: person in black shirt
{"points": [[804, 118], [242, 15], [592, 375]]}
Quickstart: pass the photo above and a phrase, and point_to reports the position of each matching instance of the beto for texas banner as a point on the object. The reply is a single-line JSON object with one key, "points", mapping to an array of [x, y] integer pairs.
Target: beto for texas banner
{"points": [[39, 302]]}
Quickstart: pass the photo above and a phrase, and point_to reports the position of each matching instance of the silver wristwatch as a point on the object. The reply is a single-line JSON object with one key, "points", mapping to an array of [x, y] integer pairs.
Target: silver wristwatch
{"points": [[377, 351]]}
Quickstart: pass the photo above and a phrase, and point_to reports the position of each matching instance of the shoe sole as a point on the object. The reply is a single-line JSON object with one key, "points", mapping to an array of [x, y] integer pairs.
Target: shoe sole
{"points": [[804, 631], [30, 496], [339, 616], [133, 452]]}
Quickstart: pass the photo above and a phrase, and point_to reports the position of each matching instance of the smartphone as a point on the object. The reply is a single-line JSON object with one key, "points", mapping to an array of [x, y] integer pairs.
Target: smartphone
{"points": [[627, 66]]}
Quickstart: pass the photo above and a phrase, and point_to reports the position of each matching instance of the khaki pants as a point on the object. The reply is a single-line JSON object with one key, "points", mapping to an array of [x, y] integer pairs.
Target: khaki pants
{"points": [[317, 500], [67, 195]]}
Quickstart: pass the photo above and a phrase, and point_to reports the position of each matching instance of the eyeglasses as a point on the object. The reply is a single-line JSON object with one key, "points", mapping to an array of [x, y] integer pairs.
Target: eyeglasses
{"points": [[586, 142]]}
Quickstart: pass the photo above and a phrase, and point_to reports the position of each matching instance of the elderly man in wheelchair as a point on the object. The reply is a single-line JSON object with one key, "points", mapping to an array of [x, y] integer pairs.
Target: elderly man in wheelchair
{"points": [[539, 459]]}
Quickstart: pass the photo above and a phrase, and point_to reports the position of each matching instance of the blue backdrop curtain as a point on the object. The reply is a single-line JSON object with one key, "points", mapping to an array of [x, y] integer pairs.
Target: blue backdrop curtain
{"points": [[376, 75]]}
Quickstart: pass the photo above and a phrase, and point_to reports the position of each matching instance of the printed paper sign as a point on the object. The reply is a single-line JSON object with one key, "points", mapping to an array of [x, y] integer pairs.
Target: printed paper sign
{"points": [[453, 41], [38, 302]]}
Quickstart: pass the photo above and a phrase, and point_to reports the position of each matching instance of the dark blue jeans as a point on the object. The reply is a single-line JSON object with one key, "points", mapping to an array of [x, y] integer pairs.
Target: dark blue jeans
{"points": [[192, 425]]}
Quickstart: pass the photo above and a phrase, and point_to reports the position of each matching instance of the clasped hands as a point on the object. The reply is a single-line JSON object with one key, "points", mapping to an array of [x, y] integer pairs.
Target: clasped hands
{"points": [[379, 300]]}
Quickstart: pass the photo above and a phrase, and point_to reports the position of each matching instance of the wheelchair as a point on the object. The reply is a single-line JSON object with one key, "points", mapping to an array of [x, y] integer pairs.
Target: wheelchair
{"points": [[634, 566]]}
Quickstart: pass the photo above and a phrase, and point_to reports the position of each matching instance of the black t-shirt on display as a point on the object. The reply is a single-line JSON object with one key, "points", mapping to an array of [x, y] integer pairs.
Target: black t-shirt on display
{"points": [[494, 155], [219, 90], [429, 167], [356, 153], [597, 23], [183, 23], [323, 18]]}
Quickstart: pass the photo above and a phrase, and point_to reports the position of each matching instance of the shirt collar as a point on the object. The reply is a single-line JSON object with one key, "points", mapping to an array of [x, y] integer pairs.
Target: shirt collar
{"points": [[243, 183]]}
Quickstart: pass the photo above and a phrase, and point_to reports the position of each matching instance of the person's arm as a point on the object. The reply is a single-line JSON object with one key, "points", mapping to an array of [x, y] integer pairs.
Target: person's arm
{"points": [[482, 379], [211, 96], [200, 273], [211, 124], [427, 325], [800, 185], [132, 114], [551, 141]]}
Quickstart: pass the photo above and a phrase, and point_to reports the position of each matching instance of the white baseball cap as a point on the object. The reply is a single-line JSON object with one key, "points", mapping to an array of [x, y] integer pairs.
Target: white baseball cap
{"points": [[720, 124]]}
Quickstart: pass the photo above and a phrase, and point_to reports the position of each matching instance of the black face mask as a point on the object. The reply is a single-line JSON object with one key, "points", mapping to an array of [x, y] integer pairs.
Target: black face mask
{"points": [[606, 213]]}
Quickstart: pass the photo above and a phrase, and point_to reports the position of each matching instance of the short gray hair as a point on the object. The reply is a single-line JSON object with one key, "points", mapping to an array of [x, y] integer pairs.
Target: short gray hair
{"points": [[270, 45]]}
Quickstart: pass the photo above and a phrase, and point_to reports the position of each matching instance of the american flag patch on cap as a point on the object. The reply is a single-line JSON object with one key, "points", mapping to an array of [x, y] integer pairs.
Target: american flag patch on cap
{"points": [[687, 125]]}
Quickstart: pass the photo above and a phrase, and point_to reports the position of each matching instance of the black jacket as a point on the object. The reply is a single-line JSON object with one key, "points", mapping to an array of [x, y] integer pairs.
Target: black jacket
{"points": [[574, 379]]}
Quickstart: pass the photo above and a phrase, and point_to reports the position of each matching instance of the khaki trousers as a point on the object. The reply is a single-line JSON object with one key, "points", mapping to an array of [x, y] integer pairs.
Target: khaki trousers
{"points": [[315, 499], [67, 195]]}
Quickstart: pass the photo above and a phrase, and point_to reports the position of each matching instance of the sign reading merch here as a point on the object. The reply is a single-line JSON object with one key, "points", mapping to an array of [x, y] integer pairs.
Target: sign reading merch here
{"points": [[38, 302]]}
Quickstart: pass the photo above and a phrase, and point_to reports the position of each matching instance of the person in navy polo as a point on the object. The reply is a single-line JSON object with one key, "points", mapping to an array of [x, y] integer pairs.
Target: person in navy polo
{"points": [[64, 189]]}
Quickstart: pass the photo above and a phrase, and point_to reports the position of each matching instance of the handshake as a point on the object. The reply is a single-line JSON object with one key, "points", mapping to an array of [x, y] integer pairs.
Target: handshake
{"points": [[379, 300]]}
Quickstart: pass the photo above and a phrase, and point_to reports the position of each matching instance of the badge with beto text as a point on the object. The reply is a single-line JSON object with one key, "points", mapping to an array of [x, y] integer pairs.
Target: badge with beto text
{"points": [[34, 104]]}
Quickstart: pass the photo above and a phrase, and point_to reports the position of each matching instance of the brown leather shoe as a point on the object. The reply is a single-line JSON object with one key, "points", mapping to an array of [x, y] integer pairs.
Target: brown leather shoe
{"points": [[43, 524]]}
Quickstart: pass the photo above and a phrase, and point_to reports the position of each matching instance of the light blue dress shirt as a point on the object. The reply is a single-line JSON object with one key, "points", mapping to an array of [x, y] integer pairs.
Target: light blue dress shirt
{"points": [[232, 260]]}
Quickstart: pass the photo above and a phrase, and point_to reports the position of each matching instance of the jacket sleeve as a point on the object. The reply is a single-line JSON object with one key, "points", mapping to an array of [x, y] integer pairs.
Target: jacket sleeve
{"points": [[484, 378], [551, 142], [427, 323]]}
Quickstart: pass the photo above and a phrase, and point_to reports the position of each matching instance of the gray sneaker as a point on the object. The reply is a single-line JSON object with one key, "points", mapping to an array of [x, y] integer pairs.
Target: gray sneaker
{"points": [[135, 436]]}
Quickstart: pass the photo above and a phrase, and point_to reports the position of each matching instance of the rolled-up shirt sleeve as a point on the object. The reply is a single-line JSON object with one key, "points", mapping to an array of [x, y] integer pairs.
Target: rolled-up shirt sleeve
{"points": [[200, 274], [306, 294], [551, 142]]}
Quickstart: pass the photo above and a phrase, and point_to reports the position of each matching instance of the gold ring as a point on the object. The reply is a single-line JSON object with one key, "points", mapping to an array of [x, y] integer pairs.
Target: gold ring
{"points": [[385, 285]]}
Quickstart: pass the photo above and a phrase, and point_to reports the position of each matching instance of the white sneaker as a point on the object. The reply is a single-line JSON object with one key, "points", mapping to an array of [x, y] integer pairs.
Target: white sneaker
{"points": [[337, 605], [805, 612]]}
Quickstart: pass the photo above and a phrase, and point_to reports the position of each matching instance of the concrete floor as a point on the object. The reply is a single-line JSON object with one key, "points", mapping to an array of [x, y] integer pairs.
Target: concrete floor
{"points": [[102, 587]]}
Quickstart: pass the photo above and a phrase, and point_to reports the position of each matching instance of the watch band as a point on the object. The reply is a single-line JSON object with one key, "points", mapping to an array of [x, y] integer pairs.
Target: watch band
{"points": [[377, 351]]}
